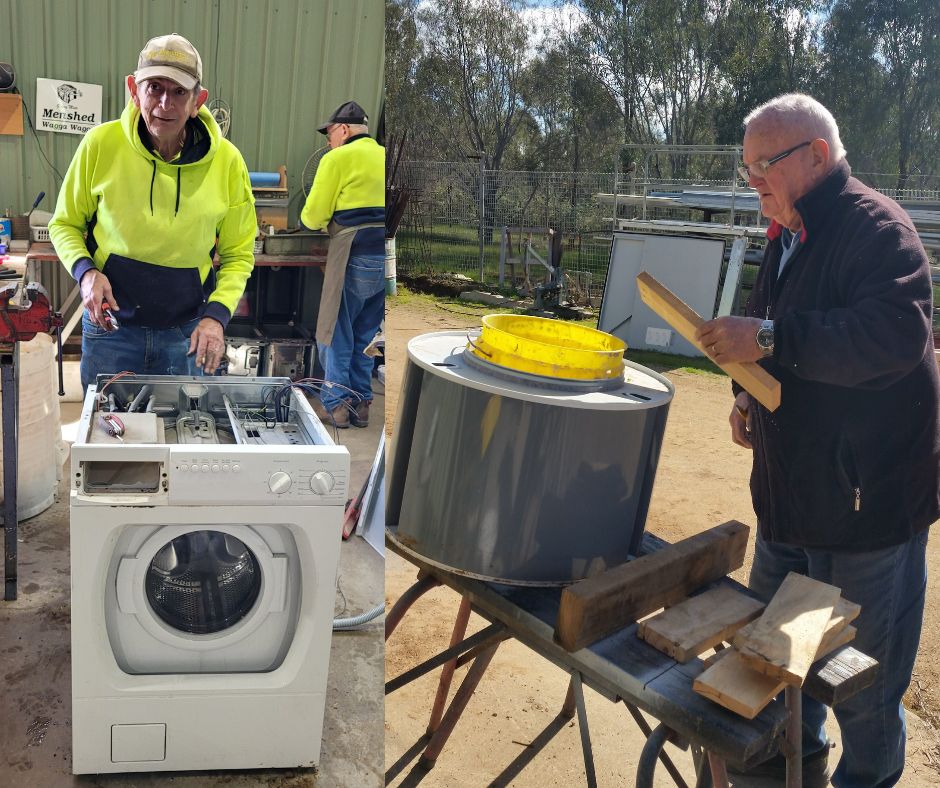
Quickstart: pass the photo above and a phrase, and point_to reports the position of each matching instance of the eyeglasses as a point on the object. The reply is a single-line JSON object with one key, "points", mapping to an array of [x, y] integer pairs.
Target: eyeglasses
{"points": [[759, 168]]}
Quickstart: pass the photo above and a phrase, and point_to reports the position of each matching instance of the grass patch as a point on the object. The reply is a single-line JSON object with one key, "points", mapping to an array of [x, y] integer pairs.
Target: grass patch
{"points": [[407, 297], [668, 362]]}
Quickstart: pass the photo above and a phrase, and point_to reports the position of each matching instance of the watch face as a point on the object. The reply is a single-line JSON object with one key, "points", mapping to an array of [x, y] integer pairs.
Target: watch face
{"points": [[765, 338]]}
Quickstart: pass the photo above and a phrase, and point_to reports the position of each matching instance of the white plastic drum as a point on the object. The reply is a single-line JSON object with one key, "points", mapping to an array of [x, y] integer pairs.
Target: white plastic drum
{"points": [[40, 455]]}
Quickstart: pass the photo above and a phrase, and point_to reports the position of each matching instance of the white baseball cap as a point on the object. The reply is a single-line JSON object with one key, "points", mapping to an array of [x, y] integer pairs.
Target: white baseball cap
{"points": [[171, 57]]}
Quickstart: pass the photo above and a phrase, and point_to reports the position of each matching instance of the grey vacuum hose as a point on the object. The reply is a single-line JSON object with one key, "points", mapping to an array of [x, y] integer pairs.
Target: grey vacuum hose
{"points": [[362, 618]]}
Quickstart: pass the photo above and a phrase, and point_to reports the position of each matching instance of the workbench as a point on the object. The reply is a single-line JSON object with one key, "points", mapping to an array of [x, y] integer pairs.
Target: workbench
{"points": [[66, 297], [620, 667]]}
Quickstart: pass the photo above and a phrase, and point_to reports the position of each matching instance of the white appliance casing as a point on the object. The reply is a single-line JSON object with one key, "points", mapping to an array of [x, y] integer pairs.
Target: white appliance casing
{"points": [[147, 698]]}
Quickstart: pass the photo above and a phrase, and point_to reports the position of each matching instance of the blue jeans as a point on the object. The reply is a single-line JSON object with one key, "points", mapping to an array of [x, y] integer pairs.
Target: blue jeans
{"points": [[890, 585], [360, 314], [144, 351]]}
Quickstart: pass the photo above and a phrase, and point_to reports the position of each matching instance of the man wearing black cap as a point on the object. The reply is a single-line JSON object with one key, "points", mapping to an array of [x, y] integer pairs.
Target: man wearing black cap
{"points": [[348, 199]]}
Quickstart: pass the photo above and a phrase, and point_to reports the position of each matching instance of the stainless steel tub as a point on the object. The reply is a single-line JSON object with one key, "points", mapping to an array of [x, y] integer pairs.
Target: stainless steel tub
{"points": [[526, 481]]}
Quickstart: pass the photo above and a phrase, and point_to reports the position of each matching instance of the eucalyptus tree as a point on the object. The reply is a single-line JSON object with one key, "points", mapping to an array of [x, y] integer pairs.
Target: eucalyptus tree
{"points": [[882, 70], [404, 101], [476, 51]]}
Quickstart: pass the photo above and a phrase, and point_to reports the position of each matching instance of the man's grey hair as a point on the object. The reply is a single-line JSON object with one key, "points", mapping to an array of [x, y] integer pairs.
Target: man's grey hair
{"points": [[358, 128], [799, 111]]}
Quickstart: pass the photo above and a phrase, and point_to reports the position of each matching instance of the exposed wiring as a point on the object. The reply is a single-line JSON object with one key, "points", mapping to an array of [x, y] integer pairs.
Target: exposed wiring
{"points": [[218, 107], [32, 128], [312, 386], [339, 590], [218, 29], [124, 374]]}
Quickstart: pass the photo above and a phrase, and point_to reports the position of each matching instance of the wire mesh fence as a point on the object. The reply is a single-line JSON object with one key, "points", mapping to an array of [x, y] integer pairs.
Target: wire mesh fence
{"points": [[457, 217]]}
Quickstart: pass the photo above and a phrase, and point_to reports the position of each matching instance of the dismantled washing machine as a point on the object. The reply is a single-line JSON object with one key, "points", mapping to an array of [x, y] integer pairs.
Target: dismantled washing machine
{"points": [[205, 517]]}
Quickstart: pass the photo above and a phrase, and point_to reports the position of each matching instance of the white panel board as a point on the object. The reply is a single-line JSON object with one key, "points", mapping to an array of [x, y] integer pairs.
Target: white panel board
{"points": [[690, 267]]}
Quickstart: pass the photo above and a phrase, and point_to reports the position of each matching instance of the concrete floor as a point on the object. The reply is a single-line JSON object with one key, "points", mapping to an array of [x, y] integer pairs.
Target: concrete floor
{"points": [[35, 694]]}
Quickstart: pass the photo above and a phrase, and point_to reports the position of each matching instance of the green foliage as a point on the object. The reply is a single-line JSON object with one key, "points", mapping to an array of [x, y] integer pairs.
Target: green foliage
{"points": [[881, 78], [562, 96]]}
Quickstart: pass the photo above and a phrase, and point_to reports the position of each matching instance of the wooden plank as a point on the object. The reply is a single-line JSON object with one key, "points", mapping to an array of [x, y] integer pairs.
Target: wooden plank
{"points": [[837, 633], [843, 612], [593, 608], [845, 673], [700, 622], [730, 681], [758, 382], [783, 642]]}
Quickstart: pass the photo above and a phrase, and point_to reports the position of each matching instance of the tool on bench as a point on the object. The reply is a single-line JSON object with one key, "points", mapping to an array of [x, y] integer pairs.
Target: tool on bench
{"points": [[25, 311]]}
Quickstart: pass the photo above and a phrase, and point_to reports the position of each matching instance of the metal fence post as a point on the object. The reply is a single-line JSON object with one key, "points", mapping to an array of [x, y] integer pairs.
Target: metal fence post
{"points": [[482, 209]]}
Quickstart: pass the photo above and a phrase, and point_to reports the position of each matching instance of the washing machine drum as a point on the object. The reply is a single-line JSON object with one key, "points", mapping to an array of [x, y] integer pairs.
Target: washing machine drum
{"points": [[220, 599], [203, 582]]}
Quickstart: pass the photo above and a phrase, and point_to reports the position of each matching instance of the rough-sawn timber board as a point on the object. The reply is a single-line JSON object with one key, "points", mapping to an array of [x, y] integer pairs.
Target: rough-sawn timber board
{"points": [[783, 642]]}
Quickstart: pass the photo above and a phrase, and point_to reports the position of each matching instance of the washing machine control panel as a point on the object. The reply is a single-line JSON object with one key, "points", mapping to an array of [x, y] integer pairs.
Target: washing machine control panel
{"points": [[203, 476]]}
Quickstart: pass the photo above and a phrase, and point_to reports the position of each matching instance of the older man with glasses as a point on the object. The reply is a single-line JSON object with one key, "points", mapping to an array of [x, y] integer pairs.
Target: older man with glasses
{"points": [[845, 472], [147, 201], [348, 199]]}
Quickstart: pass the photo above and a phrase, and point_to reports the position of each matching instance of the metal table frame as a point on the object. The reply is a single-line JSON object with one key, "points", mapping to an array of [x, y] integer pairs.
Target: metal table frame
{"points": [[657, 685]]}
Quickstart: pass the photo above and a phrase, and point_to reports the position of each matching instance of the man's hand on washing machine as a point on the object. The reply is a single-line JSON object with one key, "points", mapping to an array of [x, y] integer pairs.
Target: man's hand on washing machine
{"points": [[208, 343]]}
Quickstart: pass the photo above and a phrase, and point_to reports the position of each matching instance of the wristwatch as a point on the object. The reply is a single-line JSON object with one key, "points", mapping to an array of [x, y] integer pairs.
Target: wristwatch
{"points": [[765, 337]]}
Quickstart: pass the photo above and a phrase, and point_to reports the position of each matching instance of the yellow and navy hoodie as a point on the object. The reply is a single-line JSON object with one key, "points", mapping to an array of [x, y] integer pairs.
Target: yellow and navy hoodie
{"points": [[152, 227], [349, 188]]}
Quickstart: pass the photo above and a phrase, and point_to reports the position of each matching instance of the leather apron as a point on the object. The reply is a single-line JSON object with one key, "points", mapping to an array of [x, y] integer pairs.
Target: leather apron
{"points": [[334, 277]]}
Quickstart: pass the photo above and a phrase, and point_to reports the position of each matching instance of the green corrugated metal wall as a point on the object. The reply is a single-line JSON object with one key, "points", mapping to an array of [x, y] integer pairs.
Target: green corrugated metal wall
{"points": [[282, 66]]}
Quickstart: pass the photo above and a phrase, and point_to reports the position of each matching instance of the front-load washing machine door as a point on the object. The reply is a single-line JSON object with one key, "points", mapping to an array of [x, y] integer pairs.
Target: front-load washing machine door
{"points": [[212, 599], [203, 582]]}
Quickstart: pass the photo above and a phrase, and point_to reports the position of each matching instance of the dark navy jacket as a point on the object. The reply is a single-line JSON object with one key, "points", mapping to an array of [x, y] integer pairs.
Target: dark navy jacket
{"points": [[851, 458]]}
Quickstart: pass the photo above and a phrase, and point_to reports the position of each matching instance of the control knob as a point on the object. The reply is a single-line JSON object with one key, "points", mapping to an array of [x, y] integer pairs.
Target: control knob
{"points": [[279, 482], [321, 482]]}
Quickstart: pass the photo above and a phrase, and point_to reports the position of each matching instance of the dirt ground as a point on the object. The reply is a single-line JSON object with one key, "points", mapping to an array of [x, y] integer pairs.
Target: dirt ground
{"points": [[35, 676], [701, 482]]}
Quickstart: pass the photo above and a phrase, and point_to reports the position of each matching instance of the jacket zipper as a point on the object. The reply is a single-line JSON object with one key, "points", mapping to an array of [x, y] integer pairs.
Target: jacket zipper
{"points": [[858, 499]]}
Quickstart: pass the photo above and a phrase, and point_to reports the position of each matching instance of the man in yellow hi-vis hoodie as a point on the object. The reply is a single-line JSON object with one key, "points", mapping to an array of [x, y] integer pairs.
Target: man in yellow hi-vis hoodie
{"points": [[147, 201], [348, 199]]}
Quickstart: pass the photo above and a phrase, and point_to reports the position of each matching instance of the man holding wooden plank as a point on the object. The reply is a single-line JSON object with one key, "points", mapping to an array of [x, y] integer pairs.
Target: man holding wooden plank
{"points": [[845, 474]]}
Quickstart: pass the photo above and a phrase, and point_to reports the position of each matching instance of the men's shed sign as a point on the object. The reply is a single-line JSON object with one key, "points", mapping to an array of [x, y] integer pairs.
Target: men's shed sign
{"points": [[72, 107]]}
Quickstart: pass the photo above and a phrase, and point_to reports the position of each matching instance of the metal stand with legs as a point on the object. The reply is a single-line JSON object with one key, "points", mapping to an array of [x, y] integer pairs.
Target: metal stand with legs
{"points": [[8, 406]]}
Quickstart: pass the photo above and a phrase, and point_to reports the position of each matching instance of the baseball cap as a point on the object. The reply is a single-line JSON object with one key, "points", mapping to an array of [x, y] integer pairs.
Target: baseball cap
{"points": [[171, 57], [350, 112]]}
